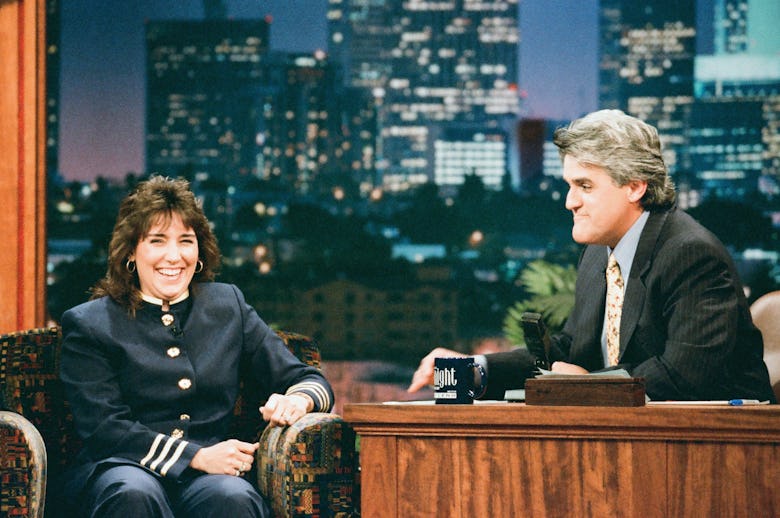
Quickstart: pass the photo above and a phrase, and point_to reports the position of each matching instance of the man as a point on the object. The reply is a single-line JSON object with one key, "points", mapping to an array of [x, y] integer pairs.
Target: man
{"points": [[676, 313]]}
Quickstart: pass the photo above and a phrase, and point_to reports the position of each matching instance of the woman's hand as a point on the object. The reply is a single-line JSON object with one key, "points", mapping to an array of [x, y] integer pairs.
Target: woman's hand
{"points": [[282, 410], [231, 457], [424, 374]]}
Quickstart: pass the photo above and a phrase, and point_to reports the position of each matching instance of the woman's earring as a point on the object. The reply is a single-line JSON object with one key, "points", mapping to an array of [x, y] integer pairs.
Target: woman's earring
{"points": [[199, 267], [130, 265]]}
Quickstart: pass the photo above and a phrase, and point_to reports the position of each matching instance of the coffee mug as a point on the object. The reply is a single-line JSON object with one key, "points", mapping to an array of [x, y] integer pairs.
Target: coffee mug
{"points": [[453, 380]]}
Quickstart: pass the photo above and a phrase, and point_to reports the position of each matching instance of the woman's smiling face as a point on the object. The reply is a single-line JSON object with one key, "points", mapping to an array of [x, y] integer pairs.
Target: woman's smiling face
{"points": [[166, 257]]}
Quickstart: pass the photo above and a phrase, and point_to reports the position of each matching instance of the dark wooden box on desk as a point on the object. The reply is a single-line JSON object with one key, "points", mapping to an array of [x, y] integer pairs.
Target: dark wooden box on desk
{"points": [[585, 391]]}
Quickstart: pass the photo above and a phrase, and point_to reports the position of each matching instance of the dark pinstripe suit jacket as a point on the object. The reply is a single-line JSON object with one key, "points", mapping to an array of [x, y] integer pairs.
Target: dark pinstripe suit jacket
{"points": [[685, 326]]}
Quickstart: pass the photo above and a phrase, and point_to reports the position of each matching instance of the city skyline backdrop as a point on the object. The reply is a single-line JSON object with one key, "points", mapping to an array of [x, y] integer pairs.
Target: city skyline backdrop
{"points": [[102, 66], [102, 75], [297, 215]]}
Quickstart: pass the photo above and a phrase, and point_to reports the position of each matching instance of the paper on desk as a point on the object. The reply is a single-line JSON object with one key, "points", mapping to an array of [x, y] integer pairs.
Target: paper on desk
{"points": [[616, 373], [514, 395], [433, 402]]}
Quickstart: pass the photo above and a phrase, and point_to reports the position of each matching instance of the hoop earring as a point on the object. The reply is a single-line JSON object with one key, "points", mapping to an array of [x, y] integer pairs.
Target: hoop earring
{"points": [[199, 267], [130, 265]]}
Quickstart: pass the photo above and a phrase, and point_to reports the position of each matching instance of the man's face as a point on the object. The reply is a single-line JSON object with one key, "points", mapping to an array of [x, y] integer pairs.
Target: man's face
{"points": [[602, 210]]}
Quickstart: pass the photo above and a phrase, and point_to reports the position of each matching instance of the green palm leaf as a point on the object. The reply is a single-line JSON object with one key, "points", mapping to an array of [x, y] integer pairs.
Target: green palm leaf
{"points": [[551, 289]]}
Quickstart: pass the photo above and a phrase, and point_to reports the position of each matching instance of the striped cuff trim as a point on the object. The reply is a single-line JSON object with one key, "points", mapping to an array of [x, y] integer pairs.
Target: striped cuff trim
{"points": [[319, 394], [167, 456]]}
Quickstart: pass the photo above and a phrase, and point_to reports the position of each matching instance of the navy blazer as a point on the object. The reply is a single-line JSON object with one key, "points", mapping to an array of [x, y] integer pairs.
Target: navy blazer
{"points": [[152, 395], [685, 326]]}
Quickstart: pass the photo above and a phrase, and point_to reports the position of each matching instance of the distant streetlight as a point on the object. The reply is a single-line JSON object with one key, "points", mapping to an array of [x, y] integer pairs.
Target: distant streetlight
{"points": [[476, 238], [260, 253]]}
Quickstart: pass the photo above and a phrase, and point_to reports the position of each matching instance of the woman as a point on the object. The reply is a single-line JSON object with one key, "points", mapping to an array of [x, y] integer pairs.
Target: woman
{"points": [[151, 370]]}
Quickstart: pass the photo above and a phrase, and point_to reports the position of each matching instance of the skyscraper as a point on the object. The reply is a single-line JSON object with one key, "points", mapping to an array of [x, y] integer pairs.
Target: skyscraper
{"points": [[734, 133], [203, 96], [434, 68], [315, 135], [53, 25], [646, 58]]}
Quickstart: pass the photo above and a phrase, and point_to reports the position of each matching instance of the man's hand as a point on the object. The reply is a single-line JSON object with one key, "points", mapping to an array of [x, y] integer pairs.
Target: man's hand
{"points": [[231, 457], [282, 410], [424, 374], [567, 368]]}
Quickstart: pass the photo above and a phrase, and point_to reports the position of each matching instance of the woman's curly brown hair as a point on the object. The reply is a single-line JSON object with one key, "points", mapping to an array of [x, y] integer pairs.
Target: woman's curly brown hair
{"points": [[158, 197]]}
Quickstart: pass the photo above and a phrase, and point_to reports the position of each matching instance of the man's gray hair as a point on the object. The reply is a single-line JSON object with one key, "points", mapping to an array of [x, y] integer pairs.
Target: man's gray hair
{"points": [[625, 147]]}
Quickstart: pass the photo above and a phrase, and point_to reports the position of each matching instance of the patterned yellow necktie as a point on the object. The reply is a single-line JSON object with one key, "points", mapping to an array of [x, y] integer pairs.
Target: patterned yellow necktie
{"points": [[614, 308]]}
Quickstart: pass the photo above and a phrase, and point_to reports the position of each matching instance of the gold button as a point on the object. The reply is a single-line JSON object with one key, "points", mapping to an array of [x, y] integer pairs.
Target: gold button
{"points": [[184, 417], [177, 433], [185, 383], [173, 352]]}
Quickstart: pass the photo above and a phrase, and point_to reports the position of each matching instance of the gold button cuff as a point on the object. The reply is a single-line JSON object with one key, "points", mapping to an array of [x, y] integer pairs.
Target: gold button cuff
{"points": [[177, 433]]}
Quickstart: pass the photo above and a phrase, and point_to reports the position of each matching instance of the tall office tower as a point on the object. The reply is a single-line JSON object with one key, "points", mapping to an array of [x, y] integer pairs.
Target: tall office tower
{"points": [[459, 152], [433, 68], [214, 9], [530, 142], [311, 145], [746, 26], [646, 62], [53, 24], [541, 170], [203, 85], [735, 125], [539, 157], [730, 27]]}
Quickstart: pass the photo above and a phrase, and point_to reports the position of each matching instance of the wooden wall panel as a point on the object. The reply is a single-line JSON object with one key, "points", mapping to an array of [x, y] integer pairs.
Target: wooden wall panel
{"points": [[22, 165]]}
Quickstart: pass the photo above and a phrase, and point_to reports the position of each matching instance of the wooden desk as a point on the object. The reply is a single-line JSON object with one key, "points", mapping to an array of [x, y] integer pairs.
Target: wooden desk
{"points": [[508, 459]]}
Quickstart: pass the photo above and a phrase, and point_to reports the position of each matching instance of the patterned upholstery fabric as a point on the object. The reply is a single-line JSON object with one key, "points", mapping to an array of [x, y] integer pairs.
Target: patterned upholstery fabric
{"points": [[22, 465], [308, 469], [30, 387], [303, 347]]}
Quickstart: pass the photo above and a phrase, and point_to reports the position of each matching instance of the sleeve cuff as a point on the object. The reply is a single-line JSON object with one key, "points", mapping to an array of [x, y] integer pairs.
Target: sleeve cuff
{"points": [[318, 393], [168, 456], [482, 370]]}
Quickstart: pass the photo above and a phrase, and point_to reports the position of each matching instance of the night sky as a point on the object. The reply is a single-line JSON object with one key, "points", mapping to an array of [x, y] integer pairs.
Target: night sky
{"points": [[102, 52]]}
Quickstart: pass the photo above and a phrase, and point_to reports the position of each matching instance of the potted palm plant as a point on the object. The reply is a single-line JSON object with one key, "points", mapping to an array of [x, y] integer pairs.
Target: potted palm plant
{"points": [[550, 288]]}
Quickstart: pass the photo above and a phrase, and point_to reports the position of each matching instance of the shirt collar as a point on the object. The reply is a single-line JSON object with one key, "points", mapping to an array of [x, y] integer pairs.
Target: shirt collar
{"points": [[626, 248], [159, 302]]}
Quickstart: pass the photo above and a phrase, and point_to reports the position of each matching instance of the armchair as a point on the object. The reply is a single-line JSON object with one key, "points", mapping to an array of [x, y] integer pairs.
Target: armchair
{"points": [[308, 469], [766, 316]]}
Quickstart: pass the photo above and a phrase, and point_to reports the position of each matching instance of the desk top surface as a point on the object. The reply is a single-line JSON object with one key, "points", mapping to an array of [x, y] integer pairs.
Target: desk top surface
{"points": [[760, 423]]}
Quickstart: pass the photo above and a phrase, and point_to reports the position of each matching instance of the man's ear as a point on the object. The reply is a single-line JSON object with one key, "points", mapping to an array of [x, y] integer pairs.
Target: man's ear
{"points": [[636, 190]]}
